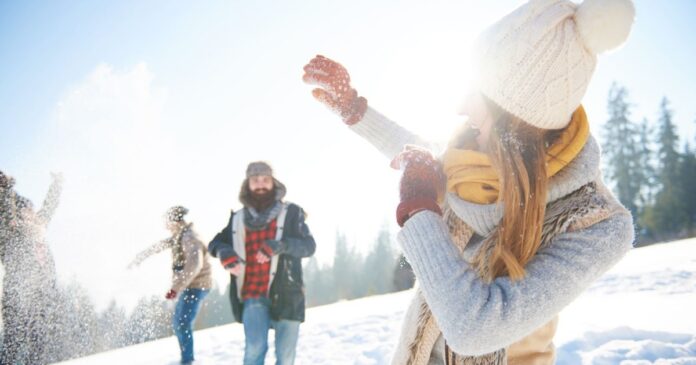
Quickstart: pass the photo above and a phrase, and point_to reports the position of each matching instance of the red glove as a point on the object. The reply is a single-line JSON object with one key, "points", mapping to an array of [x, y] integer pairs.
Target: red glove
{"points": [[171, 294], [421, 184], [334, 89]]}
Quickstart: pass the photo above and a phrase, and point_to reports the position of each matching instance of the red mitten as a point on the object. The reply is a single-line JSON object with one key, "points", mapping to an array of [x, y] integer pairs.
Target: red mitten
{"points": [[334, 89], [422, 182], [171, 294]]}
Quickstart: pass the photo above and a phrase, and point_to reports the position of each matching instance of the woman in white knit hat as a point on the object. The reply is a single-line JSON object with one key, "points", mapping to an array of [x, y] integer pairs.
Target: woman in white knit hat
{"points": [[513, 221]]}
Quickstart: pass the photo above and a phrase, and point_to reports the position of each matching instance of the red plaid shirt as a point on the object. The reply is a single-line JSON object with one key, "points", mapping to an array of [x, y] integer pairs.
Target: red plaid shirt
{"points": [[257, 275]]}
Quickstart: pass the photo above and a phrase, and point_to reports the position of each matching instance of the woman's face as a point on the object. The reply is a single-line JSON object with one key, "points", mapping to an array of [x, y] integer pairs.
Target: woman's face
{"points": [[479, 117], [172, 226], [27, 214]]}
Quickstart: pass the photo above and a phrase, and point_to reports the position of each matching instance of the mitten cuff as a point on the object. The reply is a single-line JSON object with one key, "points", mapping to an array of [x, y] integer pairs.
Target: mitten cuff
{"points": [[230, 262], [408, 207], [356, 111]]}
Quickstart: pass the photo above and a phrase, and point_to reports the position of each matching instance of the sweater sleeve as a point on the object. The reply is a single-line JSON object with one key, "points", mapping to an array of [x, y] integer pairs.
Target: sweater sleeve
{"points": [[50, 202], [223, 240], [386, 135], [477, 317], [152, 250], [193, 251]]}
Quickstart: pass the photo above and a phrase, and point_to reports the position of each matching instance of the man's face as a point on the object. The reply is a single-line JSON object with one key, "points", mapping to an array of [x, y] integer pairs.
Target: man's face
{"points": [[171, 226], [260, 184]]}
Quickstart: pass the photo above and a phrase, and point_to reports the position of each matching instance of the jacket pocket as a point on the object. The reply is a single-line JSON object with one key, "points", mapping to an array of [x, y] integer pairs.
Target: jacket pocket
{"points": [[288, 303]]}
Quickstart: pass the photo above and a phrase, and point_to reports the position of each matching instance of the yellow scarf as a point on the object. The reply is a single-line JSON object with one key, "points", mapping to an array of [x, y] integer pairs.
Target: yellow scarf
{"points": [[471, 175]]}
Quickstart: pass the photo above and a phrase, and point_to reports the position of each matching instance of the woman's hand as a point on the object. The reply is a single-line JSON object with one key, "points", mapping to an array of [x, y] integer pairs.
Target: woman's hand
{"points": [[422, 182], [334, 89]]}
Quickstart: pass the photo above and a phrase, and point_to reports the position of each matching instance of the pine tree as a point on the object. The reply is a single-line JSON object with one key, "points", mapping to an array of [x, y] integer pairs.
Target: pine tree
{"points": [[646, 179], [691, 193], [687, 186], [690, 183], [112, 324], [310, 274], [70, 326], [667, 143], [623, 157], [319, 282], [378, 270], [346, 268], [151, 319], [645, 163], [668, 217]]}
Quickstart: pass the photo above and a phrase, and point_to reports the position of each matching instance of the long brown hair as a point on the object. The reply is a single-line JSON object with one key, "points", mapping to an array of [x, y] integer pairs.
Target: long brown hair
{"points": [[517, 152]]}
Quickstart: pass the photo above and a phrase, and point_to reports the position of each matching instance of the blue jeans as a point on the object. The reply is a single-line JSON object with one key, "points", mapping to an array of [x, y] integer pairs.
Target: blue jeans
{"points": [[184, 316], [257, 321]]}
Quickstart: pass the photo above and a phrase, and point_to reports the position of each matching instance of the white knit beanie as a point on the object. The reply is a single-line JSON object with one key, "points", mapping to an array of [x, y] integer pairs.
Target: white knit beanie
{"points": [[537, 61]]}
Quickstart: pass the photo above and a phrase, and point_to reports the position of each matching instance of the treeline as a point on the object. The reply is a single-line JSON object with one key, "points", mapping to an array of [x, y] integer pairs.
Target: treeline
{"points": [[650, 169], [352, 276], [85, 330], [78, 329]]}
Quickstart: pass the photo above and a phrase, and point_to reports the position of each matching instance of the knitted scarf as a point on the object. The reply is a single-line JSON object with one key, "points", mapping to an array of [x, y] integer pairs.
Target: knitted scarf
{"points": [[471, 175], [255, 220], [178, 257]]}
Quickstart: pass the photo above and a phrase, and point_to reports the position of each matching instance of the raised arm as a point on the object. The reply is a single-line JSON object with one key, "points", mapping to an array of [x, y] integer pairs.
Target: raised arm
{"points": [[335, 91], [50, 203], [154, 249]]}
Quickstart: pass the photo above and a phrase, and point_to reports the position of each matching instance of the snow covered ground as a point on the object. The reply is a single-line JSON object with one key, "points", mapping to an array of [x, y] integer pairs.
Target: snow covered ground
{"points": [[639, 313]]}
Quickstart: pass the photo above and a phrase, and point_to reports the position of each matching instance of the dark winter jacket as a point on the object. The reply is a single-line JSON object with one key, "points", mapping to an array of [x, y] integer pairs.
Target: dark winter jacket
{"points": [[286, 291]]}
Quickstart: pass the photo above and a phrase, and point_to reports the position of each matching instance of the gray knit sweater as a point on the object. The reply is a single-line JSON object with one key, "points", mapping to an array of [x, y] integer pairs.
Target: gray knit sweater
{"points": [[477, 317]]}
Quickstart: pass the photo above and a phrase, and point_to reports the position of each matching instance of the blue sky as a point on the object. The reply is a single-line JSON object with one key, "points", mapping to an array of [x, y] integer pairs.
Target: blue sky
{"points": [[143, 105]]}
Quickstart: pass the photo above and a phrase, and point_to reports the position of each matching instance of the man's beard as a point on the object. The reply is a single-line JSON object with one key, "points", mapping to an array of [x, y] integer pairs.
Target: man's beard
{"points": [[262, 198]]}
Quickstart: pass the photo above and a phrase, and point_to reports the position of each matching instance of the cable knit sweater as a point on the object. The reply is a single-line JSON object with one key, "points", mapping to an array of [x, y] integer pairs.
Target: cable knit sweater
{"points": [[477, 317], [196, 272]]}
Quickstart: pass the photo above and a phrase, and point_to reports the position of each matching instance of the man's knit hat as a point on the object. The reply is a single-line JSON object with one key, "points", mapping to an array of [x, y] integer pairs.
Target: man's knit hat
{"points": [[259, 168], [537, 61]]}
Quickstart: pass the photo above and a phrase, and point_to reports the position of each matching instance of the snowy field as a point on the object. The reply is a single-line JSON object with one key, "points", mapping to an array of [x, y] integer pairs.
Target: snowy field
{"points": [[642, 312]]}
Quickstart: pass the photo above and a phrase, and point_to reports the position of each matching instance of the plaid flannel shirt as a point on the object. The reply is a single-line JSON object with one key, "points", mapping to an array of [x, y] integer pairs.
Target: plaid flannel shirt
{"points": [[257, 275]]}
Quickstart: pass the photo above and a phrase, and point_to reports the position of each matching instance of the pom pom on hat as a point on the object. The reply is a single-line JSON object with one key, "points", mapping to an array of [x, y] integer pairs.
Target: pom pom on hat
{"points": [[604, 24], [176, 213]]}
